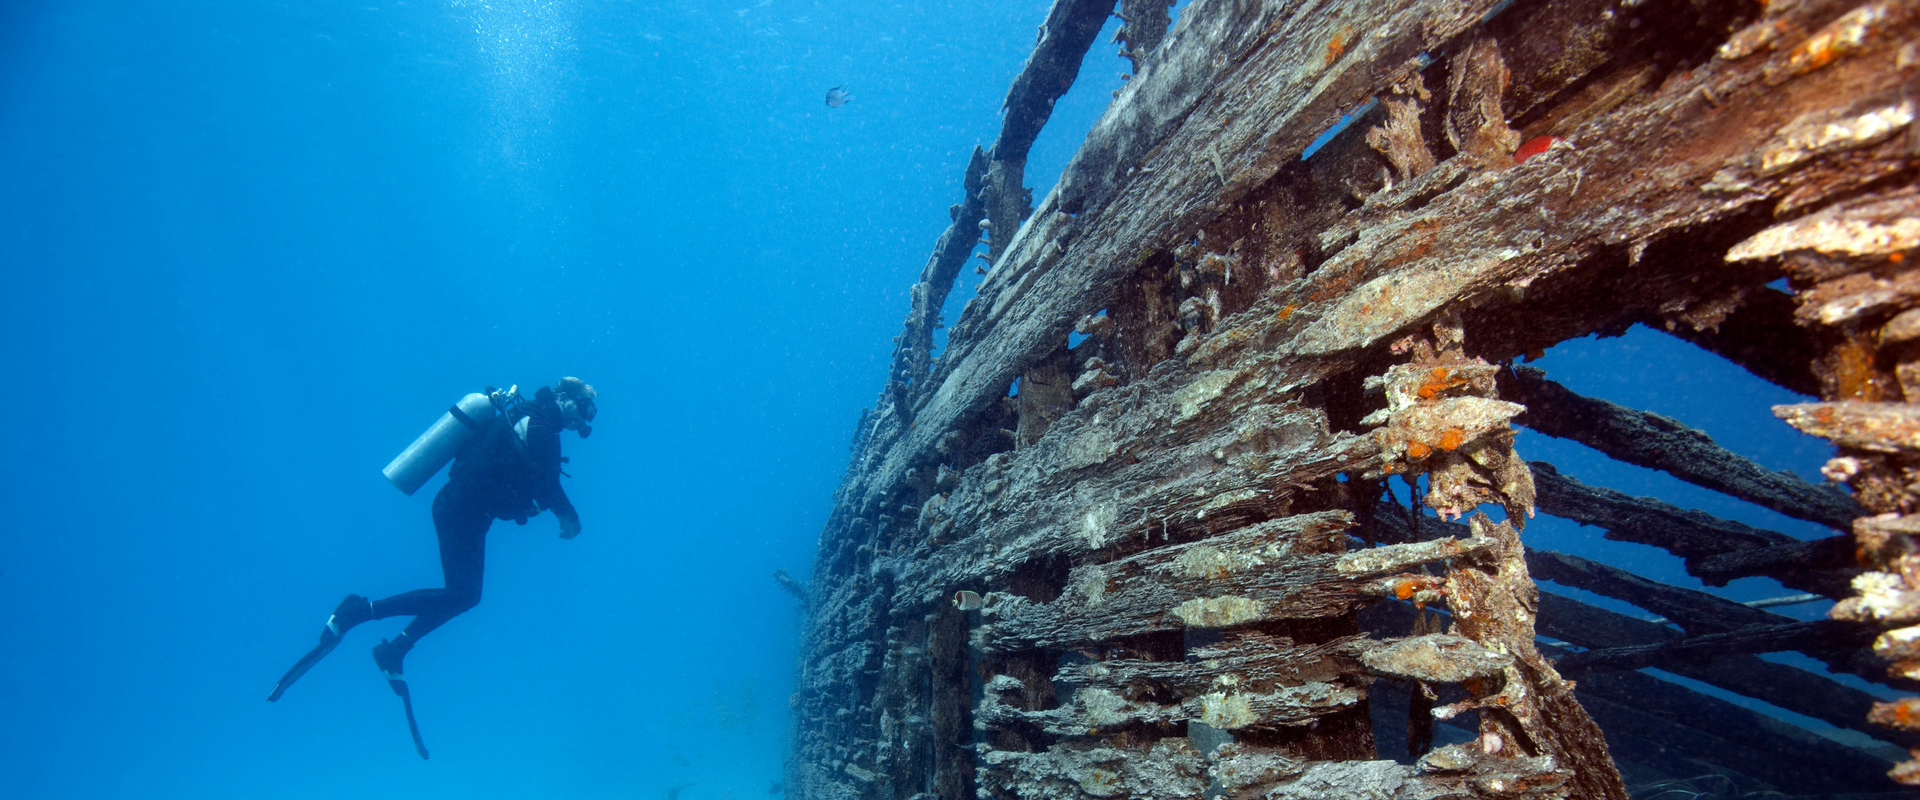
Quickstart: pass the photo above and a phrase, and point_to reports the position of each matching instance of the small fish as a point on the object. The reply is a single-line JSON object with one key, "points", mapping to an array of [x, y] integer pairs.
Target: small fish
{"points": [[838, 96], [1535, 146], [777, 788], [673, 793], [967, 601]]}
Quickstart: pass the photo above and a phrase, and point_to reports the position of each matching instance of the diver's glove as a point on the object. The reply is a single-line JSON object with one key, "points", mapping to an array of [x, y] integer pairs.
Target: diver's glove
{"points": [[569, 525]]}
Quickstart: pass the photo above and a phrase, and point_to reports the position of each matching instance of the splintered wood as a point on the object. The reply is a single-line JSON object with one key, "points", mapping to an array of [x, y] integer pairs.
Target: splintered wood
{"points": [[1158, 557]]}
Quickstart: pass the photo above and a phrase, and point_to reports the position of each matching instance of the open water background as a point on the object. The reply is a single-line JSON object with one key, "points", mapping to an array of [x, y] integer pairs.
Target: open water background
{"points": [[251, 249]]}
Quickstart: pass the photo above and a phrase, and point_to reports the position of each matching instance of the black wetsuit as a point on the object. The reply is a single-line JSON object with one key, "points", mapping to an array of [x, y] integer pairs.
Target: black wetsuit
{"points": [[494, 477]]}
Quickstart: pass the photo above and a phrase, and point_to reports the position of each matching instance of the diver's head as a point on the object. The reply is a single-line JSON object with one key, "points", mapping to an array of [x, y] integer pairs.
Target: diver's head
{"points": [[575, 400]]}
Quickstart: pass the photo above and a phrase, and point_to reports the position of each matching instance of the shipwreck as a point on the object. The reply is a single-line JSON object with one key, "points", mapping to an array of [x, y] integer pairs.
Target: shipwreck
{"points": [[1212, 490]]}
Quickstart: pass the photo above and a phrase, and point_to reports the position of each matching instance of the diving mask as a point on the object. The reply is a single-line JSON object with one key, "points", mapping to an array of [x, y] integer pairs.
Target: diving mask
{"points": [[575, 414]]}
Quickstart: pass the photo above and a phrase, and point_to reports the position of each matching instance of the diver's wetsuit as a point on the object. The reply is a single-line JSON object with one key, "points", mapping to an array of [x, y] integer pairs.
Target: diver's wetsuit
{"points": [[494, 478], [511, 470]]}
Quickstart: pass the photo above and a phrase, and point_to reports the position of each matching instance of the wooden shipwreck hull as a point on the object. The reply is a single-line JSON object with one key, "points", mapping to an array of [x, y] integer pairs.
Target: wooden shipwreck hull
{"points": [[1158, 442]]}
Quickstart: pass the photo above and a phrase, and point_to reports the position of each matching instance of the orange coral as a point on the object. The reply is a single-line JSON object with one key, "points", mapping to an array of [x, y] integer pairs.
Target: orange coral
{"points": [[1418, 450], [1903, 713], [1337, 45], [1813, 54], [1439, 380], [1452, 438]]}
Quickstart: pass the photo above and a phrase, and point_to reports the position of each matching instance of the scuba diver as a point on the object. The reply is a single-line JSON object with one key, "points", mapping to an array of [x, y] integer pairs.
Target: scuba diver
{"points": [[506, 465]]}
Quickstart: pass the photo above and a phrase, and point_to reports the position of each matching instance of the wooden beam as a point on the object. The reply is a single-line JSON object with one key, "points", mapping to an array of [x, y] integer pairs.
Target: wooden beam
{"points": [[1133, 186], [1248, 576], [1788, 687], [1663, 443], [1719, 732], [1593, 628], [1713, 549], [1695, 611], [1051, 69], [1643, 520], [1823, 566], [1144, 25], [1815, 635]]}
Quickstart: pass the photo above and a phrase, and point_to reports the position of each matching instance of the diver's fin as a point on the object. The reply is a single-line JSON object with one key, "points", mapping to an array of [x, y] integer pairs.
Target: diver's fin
{"points": [[300, 667], [388, 655], [406, 701], [353, 610]]}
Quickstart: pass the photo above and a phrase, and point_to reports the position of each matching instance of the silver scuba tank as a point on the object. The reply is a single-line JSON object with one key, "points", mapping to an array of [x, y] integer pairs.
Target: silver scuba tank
{"points": [[424, 458]]}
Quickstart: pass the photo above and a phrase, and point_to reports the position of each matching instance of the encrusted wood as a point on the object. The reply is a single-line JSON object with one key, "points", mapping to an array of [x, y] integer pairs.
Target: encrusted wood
{"points": [[1116, 538]]}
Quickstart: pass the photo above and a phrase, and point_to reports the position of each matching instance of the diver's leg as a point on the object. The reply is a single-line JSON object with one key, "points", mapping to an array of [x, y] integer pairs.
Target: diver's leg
{"points": [[463, 563], [461, 522]]}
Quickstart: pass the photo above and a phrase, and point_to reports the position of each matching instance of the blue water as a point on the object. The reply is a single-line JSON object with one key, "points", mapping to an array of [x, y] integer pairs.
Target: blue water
{"points": [[252, 249]]}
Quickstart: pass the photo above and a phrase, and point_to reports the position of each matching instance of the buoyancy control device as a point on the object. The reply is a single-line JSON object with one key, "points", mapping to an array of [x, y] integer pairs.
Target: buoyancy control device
{"points": [[423, 459]]}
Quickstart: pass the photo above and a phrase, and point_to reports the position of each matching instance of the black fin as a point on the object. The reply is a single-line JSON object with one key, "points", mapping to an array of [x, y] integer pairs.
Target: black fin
{"points": [[390, 666], [406, 701], [300, 667]]}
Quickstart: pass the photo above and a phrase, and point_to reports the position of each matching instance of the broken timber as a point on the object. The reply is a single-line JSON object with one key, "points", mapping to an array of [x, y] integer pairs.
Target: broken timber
{"points": [[1175, 520]]}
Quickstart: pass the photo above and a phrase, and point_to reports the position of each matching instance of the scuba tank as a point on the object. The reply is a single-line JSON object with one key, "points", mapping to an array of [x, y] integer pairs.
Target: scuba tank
{"points": [[421, 460]]}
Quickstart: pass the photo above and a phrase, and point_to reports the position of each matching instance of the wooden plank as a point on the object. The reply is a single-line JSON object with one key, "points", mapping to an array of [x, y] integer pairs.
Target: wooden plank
{"points": [[1251, 83], [1132, 467], [1745, 741], [1049, 72], [1818, 634], [1248, 681], [1593, 628], [1695, 611], [1662, 443], [1823, 566], [1791, 688], [1248, 576], [1644, 520]]}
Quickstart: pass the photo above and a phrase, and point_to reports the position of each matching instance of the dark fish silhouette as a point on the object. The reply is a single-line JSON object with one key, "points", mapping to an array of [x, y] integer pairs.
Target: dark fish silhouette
{"points": [[777, 788], [673, 793], [838, 96]]}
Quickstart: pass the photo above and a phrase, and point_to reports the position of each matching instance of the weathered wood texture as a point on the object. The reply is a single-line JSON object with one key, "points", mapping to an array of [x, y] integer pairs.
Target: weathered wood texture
{"points": [[995, 197], [1712, 549], [1595, 629], [1139, 575], [1631, 704], [1663, 443]]}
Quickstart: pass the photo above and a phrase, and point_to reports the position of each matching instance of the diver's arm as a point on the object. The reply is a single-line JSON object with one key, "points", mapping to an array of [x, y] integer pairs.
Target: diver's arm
{"points": [[543, 444]]}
